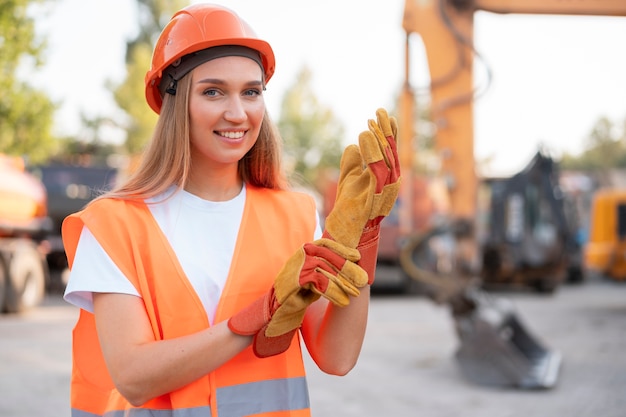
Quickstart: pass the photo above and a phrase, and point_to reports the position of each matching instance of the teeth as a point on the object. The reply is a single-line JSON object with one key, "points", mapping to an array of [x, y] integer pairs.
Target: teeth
{"points": [[231, 135]]}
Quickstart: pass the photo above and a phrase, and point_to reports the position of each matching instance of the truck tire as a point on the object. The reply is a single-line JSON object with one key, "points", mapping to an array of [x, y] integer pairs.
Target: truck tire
{"points": [[26, 284]]}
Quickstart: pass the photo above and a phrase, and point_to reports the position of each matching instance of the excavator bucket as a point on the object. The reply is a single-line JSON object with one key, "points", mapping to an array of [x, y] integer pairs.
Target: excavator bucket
{"points": [[495, 348]]}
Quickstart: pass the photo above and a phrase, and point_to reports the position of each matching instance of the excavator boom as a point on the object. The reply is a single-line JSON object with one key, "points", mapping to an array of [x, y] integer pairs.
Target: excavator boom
{"points": [[565, 7], [495, 348], [446, 29]]}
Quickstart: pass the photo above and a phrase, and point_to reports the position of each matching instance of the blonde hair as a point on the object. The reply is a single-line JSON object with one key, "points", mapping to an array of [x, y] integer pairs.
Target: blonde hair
{"points": [[167, 159]]}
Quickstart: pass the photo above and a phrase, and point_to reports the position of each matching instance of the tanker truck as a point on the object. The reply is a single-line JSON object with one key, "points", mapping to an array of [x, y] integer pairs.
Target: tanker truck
{"points": [[24, 226]]}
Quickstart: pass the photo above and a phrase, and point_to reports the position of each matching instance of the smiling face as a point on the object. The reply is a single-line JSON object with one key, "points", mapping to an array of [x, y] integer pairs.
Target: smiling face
{"points": [[226, 108]]}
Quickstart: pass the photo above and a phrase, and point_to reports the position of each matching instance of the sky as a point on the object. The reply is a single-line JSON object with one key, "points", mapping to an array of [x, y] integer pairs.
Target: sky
{"points": [[553, 77]]}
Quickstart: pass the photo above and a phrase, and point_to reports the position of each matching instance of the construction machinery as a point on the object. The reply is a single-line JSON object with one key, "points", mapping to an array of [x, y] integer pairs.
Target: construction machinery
{"points": [[605, 249], [69, 188], [530, 238], [34, 201], [24, 226], [498, 230]]}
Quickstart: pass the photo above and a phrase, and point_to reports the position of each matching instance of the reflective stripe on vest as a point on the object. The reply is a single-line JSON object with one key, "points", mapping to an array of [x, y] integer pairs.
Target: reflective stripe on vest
{"points": [[229, 401], [274, 225]]}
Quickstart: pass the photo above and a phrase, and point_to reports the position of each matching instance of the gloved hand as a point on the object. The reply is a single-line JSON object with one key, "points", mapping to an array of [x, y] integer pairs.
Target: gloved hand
{"points": [[321, 268], [369, 182]]}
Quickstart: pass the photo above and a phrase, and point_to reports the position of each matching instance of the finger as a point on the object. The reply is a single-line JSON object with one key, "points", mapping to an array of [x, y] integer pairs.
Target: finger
{"points": [[323, 282], [321, 269], [380, 137], [354, 274], [394, 127], [388, 126], [314, 251], [384, 122], [350, 254], [371, 148], [376, 163], [335, 266], [351, 162], [338, 290], [393, 150]]}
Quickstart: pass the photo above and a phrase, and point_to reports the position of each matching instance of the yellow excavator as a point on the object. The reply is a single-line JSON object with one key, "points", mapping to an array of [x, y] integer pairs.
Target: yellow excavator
{"points": [[605, 249], [447, 258]]}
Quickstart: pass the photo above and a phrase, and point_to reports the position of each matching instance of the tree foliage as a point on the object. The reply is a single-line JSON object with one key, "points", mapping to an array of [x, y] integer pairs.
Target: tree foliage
{"points": [[153, 15], [605, 148], [312, 134], [26, 114]]}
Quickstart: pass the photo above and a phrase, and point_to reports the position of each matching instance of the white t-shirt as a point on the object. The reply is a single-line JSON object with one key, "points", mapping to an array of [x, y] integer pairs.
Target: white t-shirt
{"points": [[202, 234]]}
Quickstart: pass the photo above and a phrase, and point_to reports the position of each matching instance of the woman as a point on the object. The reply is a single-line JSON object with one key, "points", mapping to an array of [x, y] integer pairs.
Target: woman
{"points": [[194, 275]]}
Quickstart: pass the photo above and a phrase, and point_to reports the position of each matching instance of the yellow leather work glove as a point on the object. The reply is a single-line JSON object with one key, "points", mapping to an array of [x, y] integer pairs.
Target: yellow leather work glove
{"points": [[321, 268], [369, 182]]}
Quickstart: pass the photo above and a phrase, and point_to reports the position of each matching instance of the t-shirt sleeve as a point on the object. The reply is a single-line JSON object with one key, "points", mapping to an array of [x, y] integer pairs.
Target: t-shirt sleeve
{"points": [[94, 271]]}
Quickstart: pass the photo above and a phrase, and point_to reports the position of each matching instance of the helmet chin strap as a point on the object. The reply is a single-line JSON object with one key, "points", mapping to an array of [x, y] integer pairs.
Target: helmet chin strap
{"points": [[179, 68]]}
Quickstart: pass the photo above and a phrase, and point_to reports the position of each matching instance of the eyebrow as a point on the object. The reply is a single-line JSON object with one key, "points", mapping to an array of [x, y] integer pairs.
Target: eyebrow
{"points": [[222, 82]]}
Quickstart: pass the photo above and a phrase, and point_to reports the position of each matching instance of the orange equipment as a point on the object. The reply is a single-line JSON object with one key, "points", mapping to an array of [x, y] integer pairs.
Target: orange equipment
{"points": [[605, 250], [195, 28], [446, 29], [22, 198], [23, 227]]}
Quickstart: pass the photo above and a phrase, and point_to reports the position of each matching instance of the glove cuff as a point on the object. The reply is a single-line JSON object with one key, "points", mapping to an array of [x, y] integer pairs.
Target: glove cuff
{"points": [[368, 248], [265, 346], [254, 317], [254, 320]]}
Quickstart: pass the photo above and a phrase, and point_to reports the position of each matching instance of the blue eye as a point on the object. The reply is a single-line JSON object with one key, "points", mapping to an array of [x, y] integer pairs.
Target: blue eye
{"points": [[252, 92], [210, 92]]}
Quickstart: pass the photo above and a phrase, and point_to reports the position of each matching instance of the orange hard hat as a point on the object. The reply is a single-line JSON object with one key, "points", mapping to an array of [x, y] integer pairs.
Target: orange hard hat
{"points": [[196, 28]]}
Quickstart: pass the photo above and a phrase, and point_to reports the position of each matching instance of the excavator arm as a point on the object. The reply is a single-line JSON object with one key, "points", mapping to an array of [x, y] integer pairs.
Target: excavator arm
{"points": [[495, 348], [565, 7], [446, 30]]}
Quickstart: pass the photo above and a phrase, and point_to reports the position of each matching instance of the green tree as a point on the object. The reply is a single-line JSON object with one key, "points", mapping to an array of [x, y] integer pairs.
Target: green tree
{"points": [[89, 147], [312, 134], [153, 15], [26, 114], [604, 148]]}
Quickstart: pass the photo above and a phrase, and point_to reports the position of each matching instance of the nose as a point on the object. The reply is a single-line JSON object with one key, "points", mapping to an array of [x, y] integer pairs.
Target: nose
{"points": [[235, 111]]}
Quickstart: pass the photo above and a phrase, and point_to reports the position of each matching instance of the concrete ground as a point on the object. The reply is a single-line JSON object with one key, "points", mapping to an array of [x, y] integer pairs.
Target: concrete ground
{"points": [[407, 367]]}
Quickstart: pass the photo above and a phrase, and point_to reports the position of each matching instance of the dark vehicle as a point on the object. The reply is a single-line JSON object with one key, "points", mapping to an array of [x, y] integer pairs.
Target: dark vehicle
{"points": [[529, 239], [69, 189]]}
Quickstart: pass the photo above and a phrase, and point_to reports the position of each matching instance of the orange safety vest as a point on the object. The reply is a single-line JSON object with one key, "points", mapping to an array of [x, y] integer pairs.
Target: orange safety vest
{"points": [[274, 225]]}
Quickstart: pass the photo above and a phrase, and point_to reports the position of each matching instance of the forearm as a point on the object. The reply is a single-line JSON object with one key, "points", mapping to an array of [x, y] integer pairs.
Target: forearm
{"points": [[142, 368], [157, 368], [334, 335]]}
